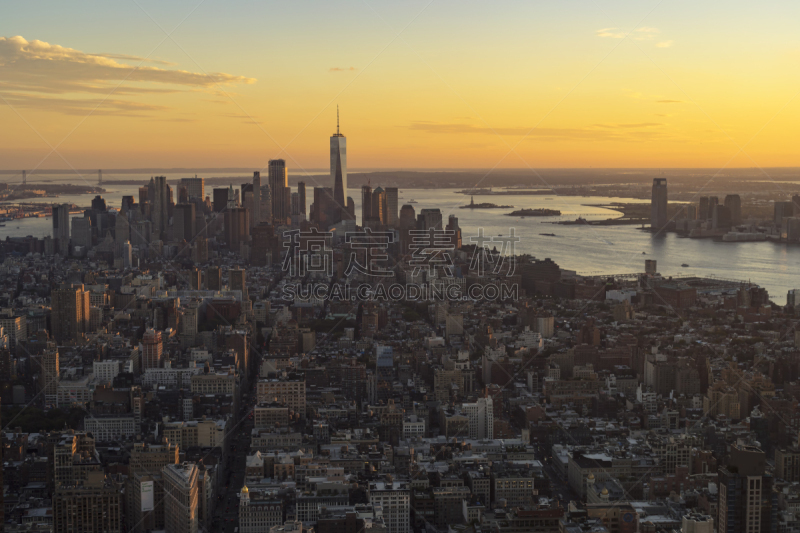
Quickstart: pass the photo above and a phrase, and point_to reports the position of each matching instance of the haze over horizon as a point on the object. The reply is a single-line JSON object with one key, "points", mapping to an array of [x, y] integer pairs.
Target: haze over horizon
{"points": [[420, 85]]}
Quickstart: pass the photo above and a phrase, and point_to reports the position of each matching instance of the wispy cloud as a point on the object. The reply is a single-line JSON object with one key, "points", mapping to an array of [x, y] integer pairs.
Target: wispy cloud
{"points": [[137, 59], [664, 44], [600, 132], [39, 74], [645, 33], [669, 101], [611, 32], [341, 69]]}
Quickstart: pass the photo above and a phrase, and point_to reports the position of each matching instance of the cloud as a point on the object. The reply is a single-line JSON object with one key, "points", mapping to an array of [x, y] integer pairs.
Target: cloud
{"points": [[39, 74], [630, 126], [596, 132], [645, 33], [80, 106], [125, 57], [669, 101], [341, 69], [664, 44], [610, 32]]}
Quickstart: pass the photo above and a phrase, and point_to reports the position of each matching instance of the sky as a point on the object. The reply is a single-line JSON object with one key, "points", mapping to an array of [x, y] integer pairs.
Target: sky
{"points": [[419, 84]]}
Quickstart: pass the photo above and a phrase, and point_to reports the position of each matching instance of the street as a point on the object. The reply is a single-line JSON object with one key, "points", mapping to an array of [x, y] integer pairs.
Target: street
{"points": [[226, 514]]}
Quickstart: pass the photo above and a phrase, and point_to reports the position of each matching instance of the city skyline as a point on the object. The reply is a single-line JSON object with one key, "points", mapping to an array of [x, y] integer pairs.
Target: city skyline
{"points": [[618, 86]]}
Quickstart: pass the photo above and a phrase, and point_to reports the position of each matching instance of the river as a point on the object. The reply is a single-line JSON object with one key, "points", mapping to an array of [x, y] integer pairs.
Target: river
{"points": [[585, 249]]}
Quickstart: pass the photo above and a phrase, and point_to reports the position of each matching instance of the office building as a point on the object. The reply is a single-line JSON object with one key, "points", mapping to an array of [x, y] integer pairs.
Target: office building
{"points": [[213, 278], [481, 418], [237, 280], [279, 185], [255, 213], [366, 204], [721, 218], [734, 204], [658, 204], [379, 205], [783, 210], [16, 327], [324, 208], [61, 228], [181, 494], [158, 196], [295, 211], [152, 348], [395, 498], [391, 206], [195, 188], [259, 511], [787, 464], [183, 222], [145, 472], [49, 374], [93, 505], [291, 392], [82, 233], [429, 219], [746, 498], [339, 167], [301, 195], [220, 200], [237, 227], [702, 211], [69, 313]]}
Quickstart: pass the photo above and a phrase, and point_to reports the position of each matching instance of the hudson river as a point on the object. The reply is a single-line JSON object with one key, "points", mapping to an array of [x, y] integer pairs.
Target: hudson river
{"points": [[585, 249]]}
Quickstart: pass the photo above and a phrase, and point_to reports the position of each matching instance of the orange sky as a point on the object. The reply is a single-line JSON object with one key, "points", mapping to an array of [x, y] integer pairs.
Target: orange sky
{"points": [[420, 85]]}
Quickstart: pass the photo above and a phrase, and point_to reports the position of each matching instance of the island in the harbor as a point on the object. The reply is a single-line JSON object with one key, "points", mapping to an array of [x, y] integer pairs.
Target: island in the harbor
{"points": [[535, 213], [485, 205]]}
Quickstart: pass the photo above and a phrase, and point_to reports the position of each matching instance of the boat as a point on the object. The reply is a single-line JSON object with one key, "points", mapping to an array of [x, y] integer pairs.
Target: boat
{"points": [[644, 253], [685, 265], [412, 201], [548, 235]]}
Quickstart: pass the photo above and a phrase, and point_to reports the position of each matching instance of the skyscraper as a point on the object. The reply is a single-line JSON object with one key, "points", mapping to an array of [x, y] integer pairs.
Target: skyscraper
{"points": [[391, 206], [782, 210], [702, 210], [69, 313], [213, 278], [379, 205], [152, 349], [255, 214], [195, 187], [658, 204], [61, 228], [220, 199], [366, 204], [82, 232], [183, 222], [429, 219], [734, 204], [278, 183], [339, 166], [159, 214], [181, 498], [49, 374], [481, 418], [237, 281], [237, 228], [93, 505], [301, 193], [746, 499]]}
